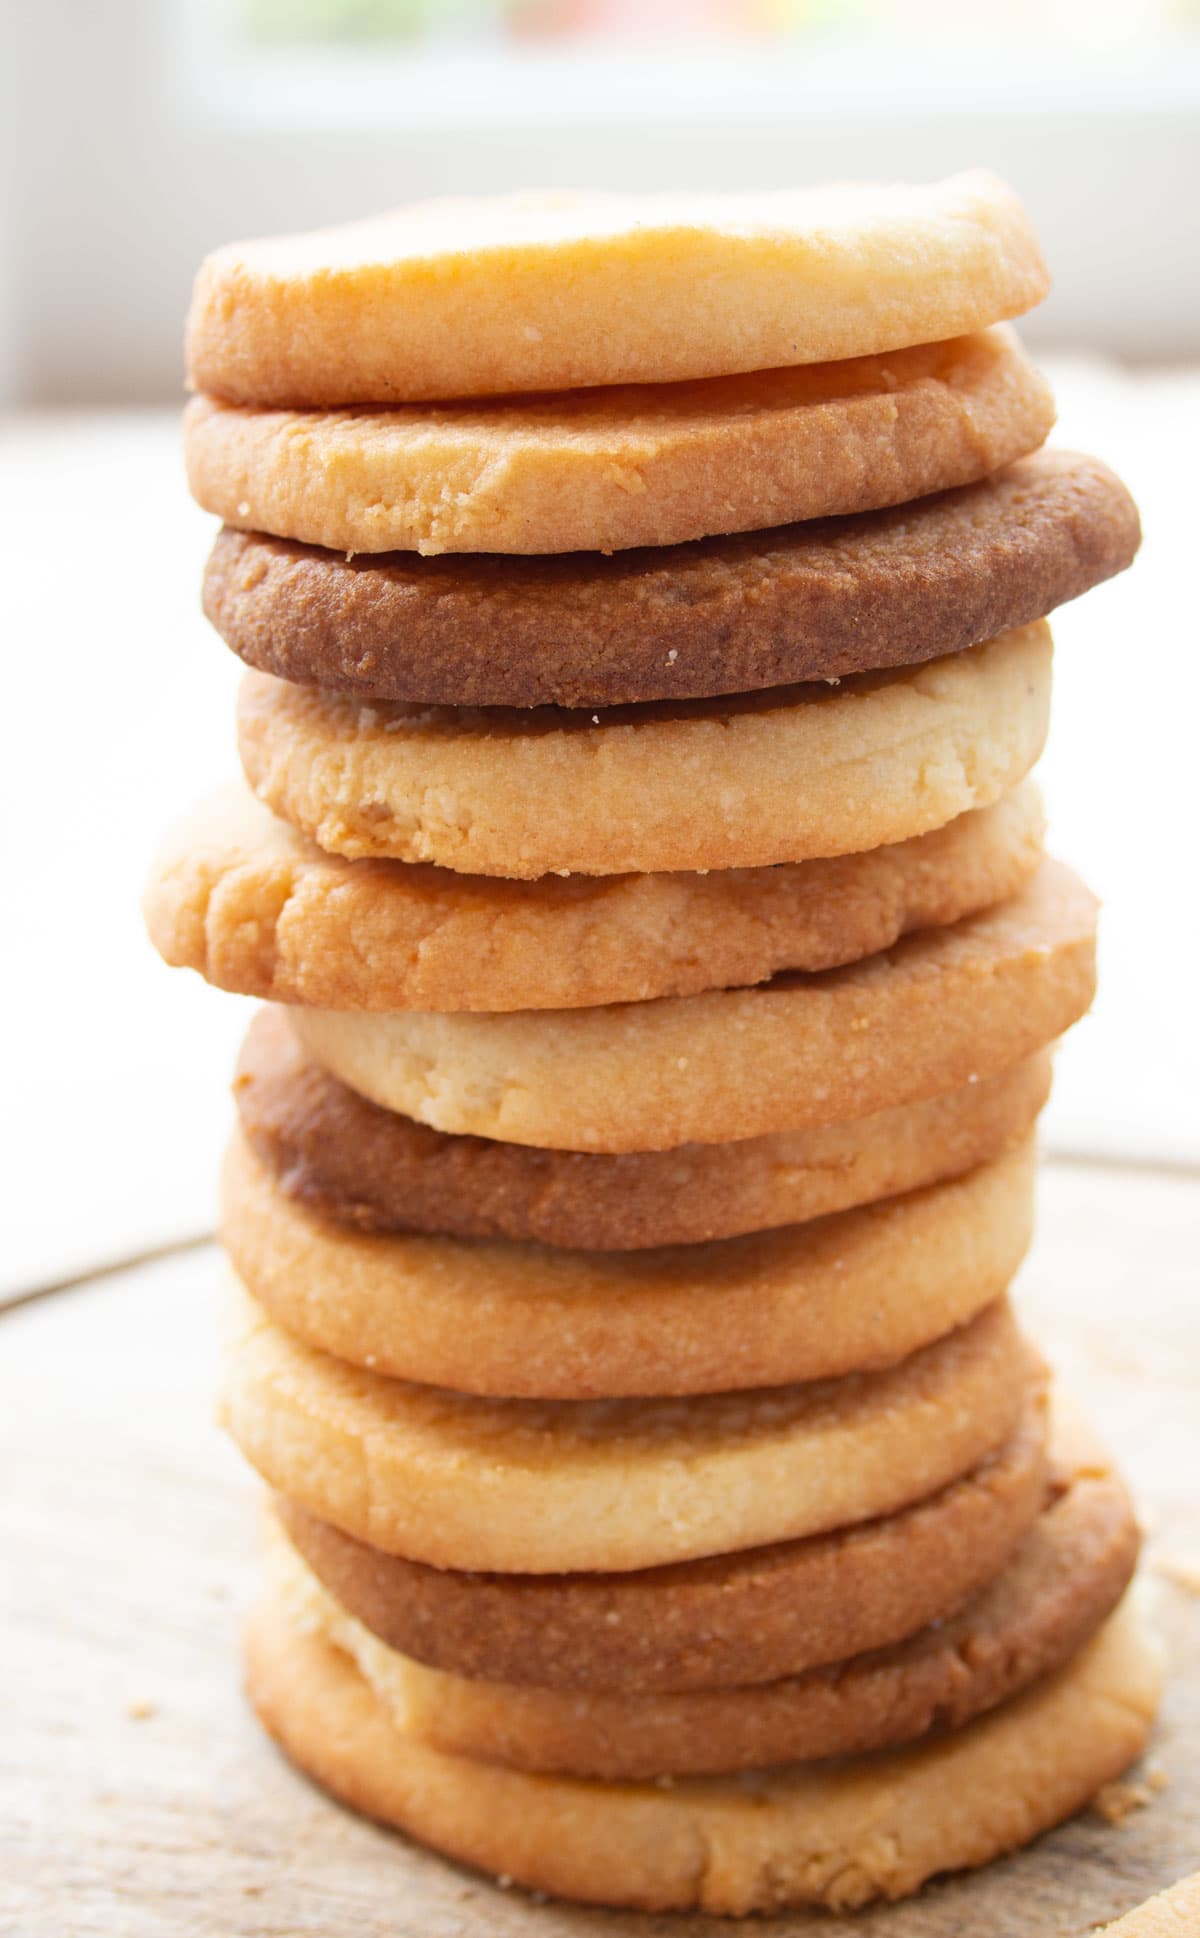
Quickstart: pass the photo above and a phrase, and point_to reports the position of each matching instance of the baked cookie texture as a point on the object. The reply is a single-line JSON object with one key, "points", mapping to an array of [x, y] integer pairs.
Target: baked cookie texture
{"points": [[256, 907], [790, 1836], [359, 1165], [844, 1294], [475, 297], [1174, 1913], [1066, 1578], [555, 1486], [943, 1009], [644, 606], [884, 756], [749, 1616], [812, 601], [606, 470]]}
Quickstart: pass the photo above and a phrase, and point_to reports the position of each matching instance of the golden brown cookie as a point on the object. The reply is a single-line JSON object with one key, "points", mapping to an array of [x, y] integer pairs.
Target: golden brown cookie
{"points": [[1174, 1913], [606, 470], [845, 1294], [556, 1486], [725, 615], [942, 1009], [349, 1160], [751, 1616], [258, 908], [744, 782], [466, 297], [802, 1834], [1064, 1581]]}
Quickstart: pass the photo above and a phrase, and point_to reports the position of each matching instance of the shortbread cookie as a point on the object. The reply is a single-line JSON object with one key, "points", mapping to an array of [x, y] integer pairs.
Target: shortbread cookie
{"points": [[747, 1617], [801, 1834], [471, 297], [726, 615], [786, 775], [258, 908], [845, 1294], [553, 1486], [1066, 1579], [946, 1008], [1172, 1914], [605, 470], [349, 1160]]}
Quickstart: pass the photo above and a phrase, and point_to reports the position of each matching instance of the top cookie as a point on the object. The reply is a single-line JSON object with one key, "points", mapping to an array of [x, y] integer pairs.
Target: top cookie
{"points": [[490, 296]]}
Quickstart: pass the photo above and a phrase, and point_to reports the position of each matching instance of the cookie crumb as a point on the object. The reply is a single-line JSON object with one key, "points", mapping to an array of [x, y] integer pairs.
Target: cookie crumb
{"points": [[1119, 1800], [140, 1709]]}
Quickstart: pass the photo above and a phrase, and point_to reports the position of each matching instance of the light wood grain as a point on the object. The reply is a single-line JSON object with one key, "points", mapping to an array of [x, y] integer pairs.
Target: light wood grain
{"points": [[137, 1796]]}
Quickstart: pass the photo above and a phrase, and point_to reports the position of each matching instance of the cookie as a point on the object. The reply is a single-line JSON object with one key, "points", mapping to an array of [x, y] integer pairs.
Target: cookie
{"points": [[470, 297], [812, 601], [746, 1617], [258, 908], [1067, 1577], [845, 1294], [606, 470], [837, 1835], [786, 775], [942, 1009], [350, 1161], [556, 1486], [1172, 1914]]}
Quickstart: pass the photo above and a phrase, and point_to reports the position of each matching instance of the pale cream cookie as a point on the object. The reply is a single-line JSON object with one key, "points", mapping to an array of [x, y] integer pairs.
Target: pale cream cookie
{"points": [[844, 1294], [794, 1835], [607, 470], [464, 297], [554, 1486], [257, 908], [742, 782], [950, 1007]]}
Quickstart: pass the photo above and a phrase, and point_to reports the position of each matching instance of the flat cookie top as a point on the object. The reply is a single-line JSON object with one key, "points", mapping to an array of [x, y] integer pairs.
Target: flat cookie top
{"points": [[487, 296], [722, 615], [607, 470]]}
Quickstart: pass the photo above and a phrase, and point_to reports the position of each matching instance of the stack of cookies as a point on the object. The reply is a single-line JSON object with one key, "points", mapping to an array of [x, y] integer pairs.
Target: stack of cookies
{"points": [[645, 607]]}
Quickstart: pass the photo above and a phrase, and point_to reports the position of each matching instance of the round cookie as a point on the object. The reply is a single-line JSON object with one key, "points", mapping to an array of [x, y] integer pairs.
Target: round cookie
{"points": [[942, 1009], [350, 1161], [556, 1486], [257, 908], [846, 1294], [467, 297], [1067, 1577], [838, 1836], [1174, 1913], [724, 615], [736, 783], [607, 470], [751, 1616]]}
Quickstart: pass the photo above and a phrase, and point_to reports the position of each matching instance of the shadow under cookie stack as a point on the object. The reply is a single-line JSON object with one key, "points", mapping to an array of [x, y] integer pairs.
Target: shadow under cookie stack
{"points": [[640, 863]]}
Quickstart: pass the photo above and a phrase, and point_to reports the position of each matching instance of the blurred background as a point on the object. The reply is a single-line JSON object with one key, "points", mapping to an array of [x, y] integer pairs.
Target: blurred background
{"points": [[137, 134]]}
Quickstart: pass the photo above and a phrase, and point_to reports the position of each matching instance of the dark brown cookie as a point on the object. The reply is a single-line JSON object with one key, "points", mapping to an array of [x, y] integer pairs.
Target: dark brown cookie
{"points": [[803, 602], [361, 1165], [738, 1618]]}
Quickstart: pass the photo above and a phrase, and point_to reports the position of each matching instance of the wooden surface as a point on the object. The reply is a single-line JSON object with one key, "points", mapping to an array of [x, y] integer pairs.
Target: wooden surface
{"points": [[137, 1796]]}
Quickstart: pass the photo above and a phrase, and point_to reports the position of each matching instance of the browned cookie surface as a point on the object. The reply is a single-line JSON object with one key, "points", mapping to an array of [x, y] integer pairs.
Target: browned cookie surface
{"points": [[727, 615], [1066, 1578], [746, 1617], [355, 1162]]}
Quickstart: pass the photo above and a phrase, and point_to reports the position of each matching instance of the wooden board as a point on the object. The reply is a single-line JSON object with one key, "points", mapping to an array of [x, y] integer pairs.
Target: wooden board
{"points": [[137, 1796]]}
